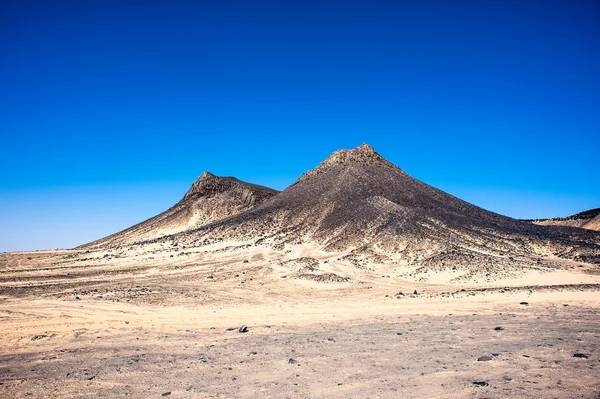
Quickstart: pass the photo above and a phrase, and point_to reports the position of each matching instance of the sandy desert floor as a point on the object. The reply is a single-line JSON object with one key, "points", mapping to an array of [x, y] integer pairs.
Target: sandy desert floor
{"points": [[153, 321]]}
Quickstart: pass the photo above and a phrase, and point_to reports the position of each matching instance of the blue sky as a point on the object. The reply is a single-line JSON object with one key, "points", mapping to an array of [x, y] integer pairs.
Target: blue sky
{"points": [[110, 110]]}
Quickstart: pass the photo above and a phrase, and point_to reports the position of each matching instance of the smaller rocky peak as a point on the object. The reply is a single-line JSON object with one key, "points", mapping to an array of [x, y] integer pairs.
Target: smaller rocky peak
{"points": [[209, 184]]}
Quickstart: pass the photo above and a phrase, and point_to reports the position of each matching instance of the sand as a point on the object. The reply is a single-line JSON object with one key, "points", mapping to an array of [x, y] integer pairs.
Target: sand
{"points": [[149, 321]]}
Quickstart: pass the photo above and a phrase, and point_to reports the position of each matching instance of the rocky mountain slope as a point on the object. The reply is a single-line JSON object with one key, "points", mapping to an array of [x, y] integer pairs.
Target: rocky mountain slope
{"points": [[210, 199], [589, 219], [357, 203], [356, 200]]}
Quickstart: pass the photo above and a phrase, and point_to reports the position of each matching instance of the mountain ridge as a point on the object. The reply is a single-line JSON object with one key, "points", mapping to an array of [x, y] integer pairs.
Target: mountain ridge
{"points": [[358, 203]]}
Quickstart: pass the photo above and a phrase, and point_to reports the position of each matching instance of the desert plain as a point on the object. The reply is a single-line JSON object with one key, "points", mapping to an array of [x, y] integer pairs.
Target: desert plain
{"points": [[151, 322]]}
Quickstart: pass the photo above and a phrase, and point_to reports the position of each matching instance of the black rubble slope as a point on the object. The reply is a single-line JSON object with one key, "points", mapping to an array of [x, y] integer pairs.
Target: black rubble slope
{"points": [[355, 199], [210, 199]]}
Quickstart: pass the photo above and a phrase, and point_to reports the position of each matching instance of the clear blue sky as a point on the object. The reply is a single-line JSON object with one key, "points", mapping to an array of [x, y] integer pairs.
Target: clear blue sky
{"points": [[109, 110]]}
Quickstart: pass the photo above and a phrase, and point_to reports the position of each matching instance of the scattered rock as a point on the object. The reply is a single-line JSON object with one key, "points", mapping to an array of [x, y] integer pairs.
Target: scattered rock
{"points": [[243, 328], [481, 383], [581, 355], [485, 358]]}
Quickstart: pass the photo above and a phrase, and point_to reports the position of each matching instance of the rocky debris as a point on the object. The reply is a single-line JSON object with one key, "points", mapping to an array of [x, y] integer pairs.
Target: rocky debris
{"points": [[323, 278], [243, 328]]}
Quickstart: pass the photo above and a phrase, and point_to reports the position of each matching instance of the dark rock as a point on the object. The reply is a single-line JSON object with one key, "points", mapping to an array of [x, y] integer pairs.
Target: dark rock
{"points": [[481, 383], [166, 394], [416, 292], [485, 358], [231, 329], [243, 328], [209, 277], [524, 303], [292, 361], [245, 260], [581, 355], [499, 328]]}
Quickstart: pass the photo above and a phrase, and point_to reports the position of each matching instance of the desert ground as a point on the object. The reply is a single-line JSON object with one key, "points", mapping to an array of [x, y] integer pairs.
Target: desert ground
{"points": [[161, 320]]}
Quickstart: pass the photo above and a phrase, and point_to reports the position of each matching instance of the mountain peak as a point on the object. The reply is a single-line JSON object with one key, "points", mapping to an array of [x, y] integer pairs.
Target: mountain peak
{"points": [[206, 174], [363, 154]]}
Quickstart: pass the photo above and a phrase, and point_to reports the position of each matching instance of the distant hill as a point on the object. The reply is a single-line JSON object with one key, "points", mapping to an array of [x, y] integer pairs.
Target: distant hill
{"points": [[586, 220], [209, 199]]}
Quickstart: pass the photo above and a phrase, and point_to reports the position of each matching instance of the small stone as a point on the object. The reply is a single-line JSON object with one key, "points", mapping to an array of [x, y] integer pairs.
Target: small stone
{"points": [[166, 394], [243, 328], [292, 361], [499, 328], [480, 383], [581, 355], [484, 358], [415, 292], [245, 260], [209, 277], [524, 303]]}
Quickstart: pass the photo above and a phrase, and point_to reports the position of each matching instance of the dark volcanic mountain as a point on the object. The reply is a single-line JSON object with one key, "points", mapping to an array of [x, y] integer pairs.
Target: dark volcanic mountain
{"points": [[589, 219], [356, 200], [210, 199]]}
